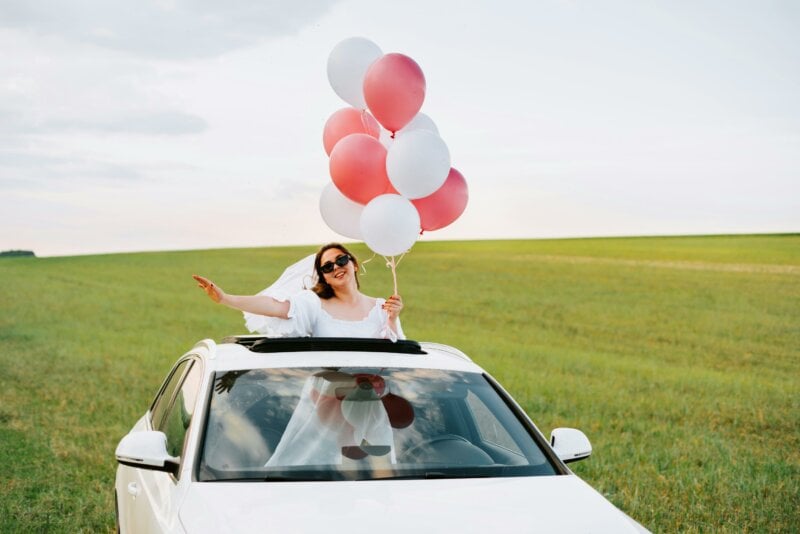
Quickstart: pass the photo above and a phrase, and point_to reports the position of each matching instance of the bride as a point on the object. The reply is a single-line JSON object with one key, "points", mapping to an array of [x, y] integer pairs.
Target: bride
{"points": [[334, 307]]}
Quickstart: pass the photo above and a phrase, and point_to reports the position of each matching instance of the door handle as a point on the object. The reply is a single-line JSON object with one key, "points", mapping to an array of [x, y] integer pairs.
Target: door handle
{"points": [[133, 489]]}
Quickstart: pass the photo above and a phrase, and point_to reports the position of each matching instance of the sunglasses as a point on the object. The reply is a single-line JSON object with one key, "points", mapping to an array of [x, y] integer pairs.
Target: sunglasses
{"points": [[341, 261]]}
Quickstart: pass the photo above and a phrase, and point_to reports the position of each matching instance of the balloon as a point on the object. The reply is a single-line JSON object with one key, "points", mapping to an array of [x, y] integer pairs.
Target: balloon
{"points": [[347, 65], [348, 121], [341, 214], [418, 163], [419, 122], [390, 225], [399, 410], [358, 167], [445, 205], [394, 88]]}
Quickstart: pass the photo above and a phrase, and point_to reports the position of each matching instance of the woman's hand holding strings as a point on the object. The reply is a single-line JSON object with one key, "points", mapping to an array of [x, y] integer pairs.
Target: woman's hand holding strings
{"points": [[393, 306]]}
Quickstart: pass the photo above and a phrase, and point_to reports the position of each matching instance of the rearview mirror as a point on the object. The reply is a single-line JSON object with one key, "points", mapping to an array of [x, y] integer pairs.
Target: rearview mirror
{"points": [[570, 444], [147, 450]]}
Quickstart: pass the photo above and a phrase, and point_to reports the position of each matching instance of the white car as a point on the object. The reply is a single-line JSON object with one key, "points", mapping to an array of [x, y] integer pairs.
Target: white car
{"points": [[347, 435]]}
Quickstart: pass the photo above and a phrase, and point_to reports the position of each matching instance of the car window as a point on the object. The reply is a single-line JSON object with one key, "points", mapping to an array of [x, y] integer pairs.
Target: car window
{"points": [[488, 426], [363, 423], [179, 415], [164, 397]]}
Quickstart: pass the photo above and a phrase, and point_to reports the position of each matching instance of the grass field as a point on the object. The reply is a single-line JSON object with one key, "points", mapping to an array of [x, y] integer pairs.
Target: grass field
{"points": [[678, 357]]}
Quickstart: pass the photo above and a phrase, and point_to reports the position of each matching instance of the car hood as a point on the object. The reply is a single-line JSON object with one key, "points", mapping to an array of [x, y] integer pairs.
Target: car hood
{"points": [[561, 503]]}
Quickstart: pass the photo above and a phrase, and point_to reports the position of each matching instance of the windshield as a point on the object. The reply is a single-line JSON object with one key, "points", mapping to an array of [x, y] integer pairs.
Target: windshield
{"points": [[362, 423]]}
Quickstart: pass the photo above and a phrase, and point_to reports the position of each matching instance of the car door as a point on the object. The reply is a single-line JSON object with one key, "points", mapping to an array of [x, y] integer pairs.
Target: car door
{"points": [[159, 494], [133, 509]]}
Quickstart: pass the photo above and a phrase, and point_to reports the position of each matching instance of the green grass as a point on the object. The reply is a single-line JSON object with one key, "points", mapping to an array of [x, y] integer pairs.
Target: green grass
{"points": [[679, 357]]}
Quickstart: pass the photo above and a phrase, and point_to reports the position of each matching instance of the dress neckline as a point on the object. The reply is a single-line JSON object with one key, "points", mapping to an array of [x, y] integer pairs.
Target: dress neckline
{"points": [[367, 316]]}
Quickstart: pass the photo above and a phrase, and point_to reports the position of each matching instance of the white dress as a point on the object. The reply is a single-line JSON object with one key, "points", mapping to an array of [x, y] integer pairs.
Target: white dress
{"points": [[306, 315], [315, 434]]}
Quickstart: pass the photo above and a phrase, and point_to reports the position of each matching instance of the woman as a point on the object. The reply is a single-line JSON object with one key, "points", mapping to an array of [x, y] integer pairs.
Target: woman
{"points": [[334, 307]]}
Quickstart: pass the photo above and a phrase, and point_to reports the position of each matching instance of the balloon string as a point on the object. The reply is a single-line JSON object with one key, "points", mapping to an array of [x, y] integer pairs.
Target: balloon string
{"points": [[364, 263], [388, 331], [392, 264], [364, 121]]}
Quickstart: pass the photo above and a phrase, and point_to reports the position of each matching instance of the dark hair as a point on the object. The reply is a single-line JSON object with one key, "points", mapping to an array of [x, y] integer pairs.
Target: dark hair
{"points": [[323, 289]]}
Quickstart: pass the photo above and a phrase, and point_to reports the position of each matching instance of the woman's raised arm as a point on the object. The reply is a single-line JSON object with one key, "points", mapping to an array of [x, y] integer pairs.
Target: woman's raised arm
{"points": [[258, 304]]}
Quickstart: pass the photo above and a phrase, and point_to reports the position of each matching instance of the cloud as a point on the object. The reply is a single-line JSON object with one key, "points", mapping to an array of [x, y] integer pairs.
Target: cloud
{"points": [[167, 122], [13, 124], [159, 123], [174, 29], [33, 170]]}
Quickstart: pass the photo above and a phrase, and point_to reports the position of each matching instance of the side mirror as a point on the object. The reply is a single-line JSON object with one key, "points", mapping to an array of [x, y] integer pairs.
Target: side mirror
{"points": [[147, 450], [570, 444]]}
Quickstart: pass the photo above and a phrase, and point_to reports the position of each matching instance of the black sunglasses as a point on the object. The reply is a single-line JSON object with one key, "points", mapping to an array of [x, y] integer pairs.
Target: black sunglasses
{"points": [[341, 261]]}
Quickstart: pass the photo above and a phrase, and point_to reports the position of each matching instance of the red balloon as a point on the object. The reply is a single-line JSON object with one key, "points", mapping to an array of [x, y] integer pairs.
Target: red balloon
{"points": [[445, 205], [399, 410], [358, 167], [348, 121], [394, 88], [376, 382], [354, 452]]}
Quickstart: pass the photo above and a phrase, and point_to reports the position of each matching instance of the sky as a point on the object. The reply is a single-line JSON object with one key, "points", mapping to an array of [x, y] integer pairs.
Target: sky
{"points": [[178, 124]]}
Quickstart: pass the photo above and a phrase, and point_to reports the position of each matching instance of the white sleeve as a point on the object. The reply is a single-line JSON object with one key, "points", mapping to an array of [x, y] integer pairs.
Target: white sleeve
{"points": [[386, 331], [294, 280], [304, 309], [400, 333]]}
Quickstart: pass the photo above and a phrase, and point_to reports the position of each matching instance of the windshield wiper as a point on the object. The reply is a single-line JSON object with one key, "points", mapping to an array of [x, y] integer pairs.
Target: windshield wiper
{"points": [[271, 478], [427, 475], [430, 475]]}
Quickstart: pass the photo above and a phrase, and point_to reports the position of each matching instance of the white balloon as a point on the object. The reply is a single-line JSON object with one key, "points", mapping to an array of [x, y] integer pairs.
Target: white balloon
{"points": [[390, 224], [419, 122], [418, 163], [341, 214], [347, 65]]}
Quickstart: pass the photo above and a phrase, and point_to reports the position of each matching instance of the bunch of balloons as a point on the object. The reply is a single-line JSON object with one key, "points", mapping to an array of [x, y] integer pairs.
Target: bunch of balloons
{"points": [[391, 171]]}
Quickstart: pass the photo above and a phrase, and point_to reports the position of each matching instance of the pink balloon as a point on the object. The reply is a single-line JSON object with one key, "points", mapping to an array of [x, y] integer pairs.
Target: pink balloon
{"points": [[394, 88], [348, 121], [358, 167], [445, 205]]}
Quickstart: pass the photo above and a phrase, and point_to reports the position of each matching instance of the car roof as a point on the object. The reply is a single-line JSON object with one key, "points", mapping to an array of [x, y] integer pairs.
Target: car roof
{"points": [[249, 352]]}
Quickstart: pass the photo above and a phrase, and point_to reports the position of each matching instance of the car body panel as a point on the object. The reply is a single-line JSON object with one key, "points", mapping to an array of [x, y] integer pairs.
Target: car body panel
{"points": [[148, 500], [234, 358], [562, 503]]}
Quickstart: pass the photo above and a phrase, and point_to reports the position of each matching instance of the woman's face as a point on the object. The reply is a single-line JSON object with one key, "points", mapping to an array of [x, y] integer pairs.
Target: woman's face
{"points": [[341, 275]]}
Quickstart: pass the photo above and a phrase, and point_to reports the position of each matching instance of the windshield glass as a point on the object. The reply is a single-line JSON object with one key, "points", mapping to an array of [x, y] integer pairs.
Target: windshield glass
{"points": [[362, 423]]}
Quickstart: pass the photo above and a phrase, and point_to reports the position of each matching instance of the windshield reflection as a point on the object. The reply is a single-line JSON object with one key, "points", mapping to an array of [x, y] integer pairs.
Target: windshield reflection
{"points": [[362, 423]]}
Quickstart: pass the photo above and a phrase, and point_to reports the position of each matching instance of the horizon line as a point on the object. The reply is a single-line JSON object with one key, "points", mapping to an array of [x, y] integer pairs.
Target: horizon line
{"points": [[467, 240]]}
